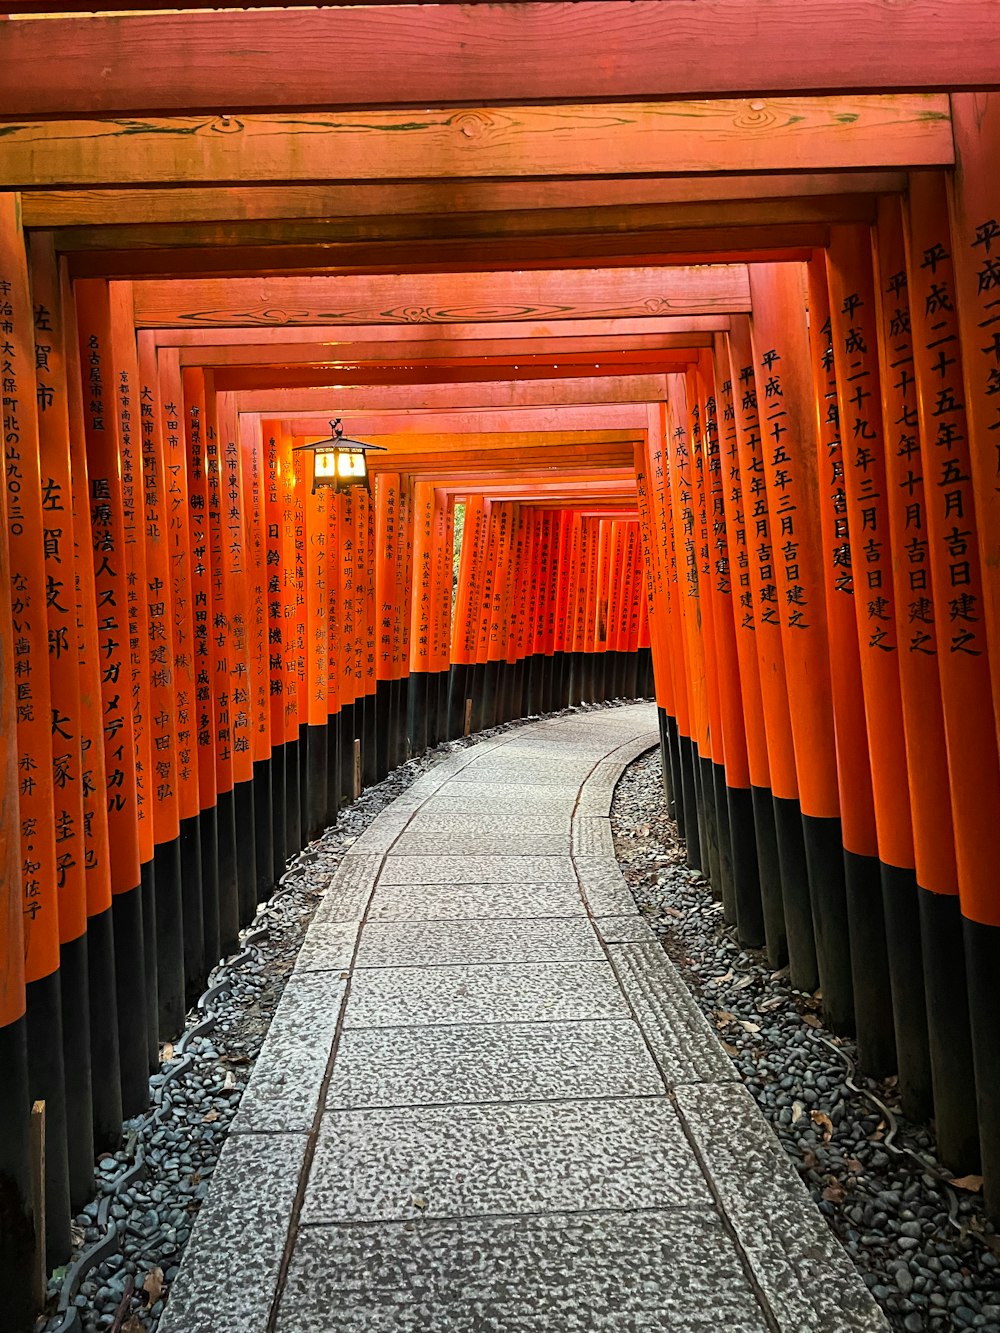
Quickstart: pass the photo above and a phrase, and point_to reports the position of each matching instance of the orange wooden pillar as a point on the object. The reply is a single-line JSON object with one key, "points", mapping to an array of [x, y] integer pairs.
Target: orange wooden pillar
{"points": [[251, 464], [791, 461], [40, 736], [107, 521], [497, 609], [317, 579], [759, 615], [278, 601], [422, 616], [386, 557], [199, 864], [61, 574], [366, 683], [481, 694], [519, 605], [342, 640], [564, 575], [401, 622], [958, 577], [854, 327], [17, 1240], [744, 739], [975, 250], [866, 921], [463, 634]]}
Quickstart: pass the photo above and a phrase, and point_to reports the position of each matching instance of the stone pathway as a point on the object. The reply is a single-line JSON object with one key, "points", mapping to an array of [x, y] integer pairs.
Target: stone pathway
{"points": [[487, 1102]]}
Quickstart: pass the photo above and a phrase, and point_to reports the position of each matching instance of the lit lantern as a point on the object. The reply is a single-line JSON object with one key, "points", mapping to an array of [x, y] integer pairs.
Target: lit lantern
{"points": [[339, 462]]}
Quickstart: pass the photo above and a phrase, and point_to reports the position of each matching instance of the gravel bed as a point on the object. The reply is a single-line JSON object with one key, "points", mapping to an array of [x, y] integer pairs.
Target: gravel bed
{"points": [[880, 1190], [129, 1239]]}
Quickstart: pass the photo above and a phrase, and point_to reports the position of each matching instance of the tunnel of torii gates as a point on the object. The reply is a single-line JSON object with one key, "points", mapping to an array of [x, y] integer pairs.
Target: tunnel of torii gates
{"points": [[715, 382]]}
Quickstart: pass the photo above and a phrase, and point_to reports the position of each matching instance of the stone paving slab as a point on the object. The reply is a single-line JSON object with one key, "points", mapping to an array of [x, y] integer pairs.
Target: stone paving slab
{"points": [[603, 887], [430, 943], [456, 902], [484, 834], [284, 1089], [592, 837], [685, 1047], [350, 889], [476, 869], [630, 928], [490, 993], [499, 1062], [539, 774], [328, 947], [806, 1275], [491, 796], [230, 1271], [614, 1272], [526, 1157]]}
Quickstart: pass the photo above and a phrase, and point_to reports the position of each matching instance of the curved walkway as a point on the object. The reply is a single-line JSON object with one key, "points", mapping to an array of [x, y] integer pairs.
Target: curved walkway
{"points": [[487, 1101]]}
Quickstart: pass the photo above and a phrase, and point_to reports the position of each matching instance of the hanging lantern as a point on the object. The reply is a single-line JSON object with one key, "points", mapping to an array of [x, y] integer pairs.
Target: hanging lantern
{"points": [[340, 462]]}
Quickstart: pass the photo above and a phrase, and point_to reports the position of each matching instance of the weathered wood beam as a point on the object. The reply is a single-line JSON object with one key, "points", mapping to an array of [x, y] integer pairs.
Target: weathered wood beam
{"points": [[444, 298], [442, 54], [340, 340], [386, 210], [725, 245], [338, 399], [528, 443], [629, 138], [249, 378], [446, 352], [370, 423]]}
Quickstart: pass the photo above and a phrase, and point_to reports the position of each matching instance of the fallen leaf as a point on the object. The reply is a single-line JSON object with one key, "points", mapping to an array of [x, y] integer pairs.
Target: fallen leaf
{"points": [[798, 1110], [133, 1325], [152, 1285], [742, 985], [717, 981], [877, 1134], [418, 1202], [229, 1082], [749, 1027], [835, 1193], [730, 1050], [812, 1020], [723, 1017], [672, 911], [809, 1159], [825, 1123], [167, 1051], [973, 1184], [210, 1116], [854, 1165]]}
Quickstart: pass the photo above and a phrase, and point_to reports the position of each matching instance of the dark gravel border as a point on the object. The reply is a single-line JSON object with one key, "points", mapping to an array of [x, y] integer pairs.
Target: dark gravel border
{"points": [[921, 1246]]}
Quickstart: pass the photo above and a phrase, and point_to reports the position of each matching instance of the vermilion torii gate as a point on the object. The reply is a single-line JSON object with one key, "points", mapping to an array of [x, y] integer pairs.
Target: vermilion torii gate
{"points": [[707, 350]]}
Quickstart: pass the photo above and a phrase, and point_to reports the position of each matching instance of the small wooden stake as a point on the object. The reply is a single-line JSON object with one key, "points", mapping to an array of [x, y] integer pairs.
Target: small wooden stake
{"points": [[38, 1199], [357, 769], [468, 717]]}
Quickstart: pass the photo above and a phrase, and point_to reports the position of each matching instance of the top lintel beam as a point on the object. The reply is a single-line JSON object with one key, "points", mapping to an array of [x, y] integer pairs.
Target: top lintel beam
{"points": [[402, 55]]}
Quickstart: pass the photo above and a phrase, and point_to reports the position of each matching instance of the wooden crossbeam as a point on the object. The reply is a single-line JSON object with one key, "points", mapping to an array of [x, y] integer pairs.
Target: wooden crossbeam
{"points": [[435, 55], [447, 352], [371, 423], [443, 298], [441, 397], [628, 138], [201, 213], [725, 245], [249, 378], [461, 337], [527, 445]]}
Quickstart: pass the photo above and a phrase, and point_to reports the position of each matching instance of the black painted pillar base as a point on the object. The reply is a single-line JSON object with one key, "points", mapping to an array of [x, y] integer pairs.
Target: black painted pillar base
{"points": [[192, 908], [456, 700], [370, 737], [105, 1052], [169, 940], [689, 800], [802, 968], [491, 685], [351, 723], [746, 876], [293, 797], [332, 805], [441, 723], [263, 828], [906, 976], [665, 774], [246, 850], [314, 795], [711, 825], [383, 722], [727, 882], [17, 1232], [147, 886], [47, 1083], [982, 962], [130, 1001], [397, 723], [949, 1033], [876, 1033], [824, 843], [533, 675], [417, 722], [229, 890], [769, 876], [676, 784], [74, 985], [633, 676], [279, 830]]}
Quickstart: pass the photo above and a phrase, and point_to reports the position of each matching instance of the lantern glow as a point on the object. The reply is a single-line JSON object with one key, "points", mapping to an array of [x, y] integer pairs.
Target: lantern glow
{"points": [[340, 462]]}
